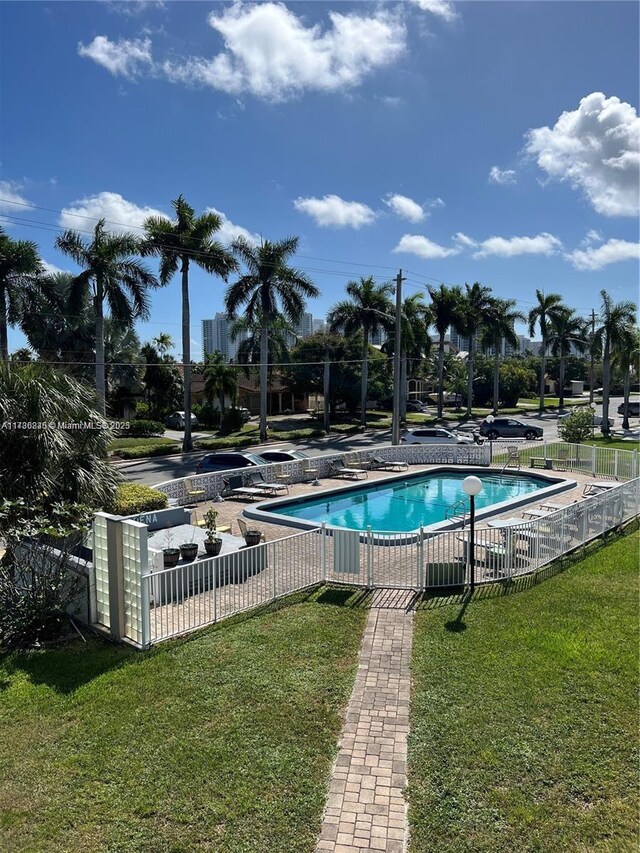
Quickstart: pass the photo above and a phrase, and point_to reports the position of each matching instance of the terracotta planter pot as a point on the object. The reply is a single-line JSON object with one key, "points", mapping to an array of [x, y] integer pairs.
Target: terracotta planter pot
{"points": [[213, 546], [189, 551], [171, 557]]}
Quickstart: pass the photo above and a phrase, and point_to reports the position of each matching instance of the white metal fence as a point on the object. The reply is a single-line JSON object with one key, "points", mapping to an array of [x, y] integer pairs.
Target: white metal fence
{"points": [[156, 603]]}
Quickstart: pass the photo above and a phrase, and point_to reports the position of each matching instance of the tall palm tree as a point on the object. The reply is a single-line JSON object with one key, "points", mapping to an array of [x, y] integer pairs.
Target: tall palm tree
{"points": [[616, 319], [219, 380], [472, 312], [444, 307], [367, 310], [415, 341], [548, 307], [163, 342], [180, 242], [567, 331], [501, 319], [269, 287], [19, 267], [627, 356], [281, 335], [111, 273], [124, 363]]}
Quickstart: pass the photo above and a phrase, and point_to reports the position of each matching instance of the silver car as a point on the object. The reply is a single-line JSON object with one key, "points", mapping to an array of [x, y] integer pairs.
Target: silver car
{"points": [[434, 435]]}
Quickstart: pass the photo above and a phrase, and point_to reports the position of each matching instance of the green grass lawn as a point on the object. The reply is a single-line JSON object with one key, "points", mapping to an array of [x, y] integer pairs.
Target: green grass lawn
{"points": [[525, 714], [221, 743], [615, 443]]}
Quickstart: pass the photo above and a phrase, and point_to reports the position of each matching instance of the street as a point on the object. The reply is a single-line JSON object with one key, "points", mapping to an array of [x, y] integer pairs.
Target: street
{"points": [[159, 469]]}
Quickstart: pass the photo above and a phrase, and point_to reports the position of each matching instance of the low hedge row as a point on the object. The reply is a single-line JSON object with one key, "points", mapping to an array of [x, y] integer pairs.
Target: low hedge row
{"points": [[133, 497], [142, 429], [225, 443], [142, 452]]}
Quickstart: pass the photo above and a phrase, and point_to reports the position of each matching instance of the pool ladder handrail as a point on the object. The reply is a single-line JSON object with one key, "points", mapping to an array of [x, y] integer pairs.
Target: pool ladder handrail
{"points": [[452, 512]]}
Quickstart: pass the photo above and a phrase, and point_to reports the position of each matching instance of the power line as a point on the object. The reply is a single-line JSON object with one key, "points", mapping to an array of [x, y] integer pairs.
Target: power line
{"points": [[234, 365]]}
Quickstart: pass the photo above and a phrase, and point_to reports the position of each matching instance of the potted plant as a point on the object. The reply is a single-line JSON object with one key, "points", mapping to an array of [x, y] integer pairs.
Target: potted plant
{"points": [[252, 537], [171, 555], [213, 543], [189, 549]]}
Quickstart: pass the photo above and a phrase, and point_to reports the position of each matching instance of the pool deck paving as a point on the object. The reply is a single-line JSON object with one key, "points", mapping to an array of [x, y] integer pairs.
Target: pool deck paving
{"points": [[365, 807]]}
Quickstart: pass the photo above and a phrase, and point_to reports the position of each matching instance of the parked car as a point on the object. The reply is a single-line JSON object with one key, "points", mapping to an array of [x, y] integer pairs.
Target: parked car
{"points": [[597, 419], [246, 414], [176, 421], [634, 408], [227, 462], [434, 435], [510, 428], [417, 406], [283, 455]]}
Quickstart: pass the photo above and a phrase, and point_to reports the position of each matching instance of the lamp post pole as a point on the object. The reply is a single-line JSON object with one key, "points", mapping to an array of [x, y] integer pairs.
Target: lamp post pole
{"points": [[472, 486], [490, 419], [395, 428]]}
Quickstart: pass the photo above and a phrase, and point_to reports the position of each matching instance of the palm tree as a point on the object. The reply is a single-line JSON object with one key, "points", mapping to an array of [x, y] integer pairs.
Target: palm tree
{"points": [[163, 342], [567, 331], [415, 341], [543, 314], [268, 283], [219, 379], [180, 242], [444, 307], [627, 356], [113, 274], [368, 310], [19, 267], [472, 312], [248, 351], [124, 363], [617, 319], [501, 320]]}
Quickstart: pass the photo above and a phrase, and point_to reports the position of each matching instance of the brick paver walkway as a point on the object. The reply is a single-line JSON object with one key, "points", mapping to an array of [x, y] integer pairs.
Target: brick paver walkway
{"points": [[365, 808]]}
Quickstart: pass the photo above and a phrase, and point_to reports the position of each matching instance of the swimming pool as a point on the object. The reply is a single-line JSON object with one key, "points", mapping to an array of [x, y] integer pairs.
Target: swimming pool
{"points": [[407, 502]]}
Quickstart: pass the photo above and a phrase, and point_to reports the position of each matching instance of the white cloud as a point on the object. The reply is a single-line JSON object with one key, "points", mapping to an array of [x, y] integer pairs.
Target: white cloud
{"points": [[463, 241], [230, 231], [502, 176], [405, 207], [596, 148], [435, 202], [126, 57], [331, 211], [120, 214], [11, 201], [610, 252], [416, 244], [131, 8], [592, 236], [270, 53], [441, 8], [508, 247], [51, 269]]}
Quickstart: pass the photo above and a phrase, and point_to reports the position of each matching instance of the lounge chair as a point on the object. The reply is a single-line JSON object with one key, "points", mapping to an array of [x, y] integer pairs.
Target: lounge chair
{"points": [[339, 469], [257, 481], [379, 463], [235, 486], [194, 493]]}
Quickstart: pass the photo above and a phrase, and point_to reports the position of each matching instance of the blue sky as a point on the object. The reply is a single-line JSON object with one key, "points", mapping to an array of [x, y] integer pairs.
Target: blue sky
{"points": [[479, 141]]}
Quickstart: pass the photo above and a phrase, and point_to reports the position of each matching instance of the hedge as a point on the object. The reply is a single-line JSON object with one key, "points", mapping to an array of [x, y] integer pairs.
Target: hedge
{"points": [[133, 497], [141, 451], [225, 443], [142, 429]]}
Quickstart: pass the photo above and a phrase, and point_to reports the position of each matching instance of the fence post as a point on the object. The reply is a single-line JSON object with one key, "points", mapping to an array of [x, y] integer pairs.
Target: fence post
{"points": [[369, 558], [274, 587], [323, 551], [594, 456], [634, 465], [615, 464], [421, 558]]}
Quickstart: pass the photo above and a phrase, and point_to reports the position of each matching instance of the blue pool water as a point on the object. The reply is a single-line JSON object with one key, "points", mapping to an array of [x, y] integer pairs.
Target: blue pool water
{"points": [[404, 505]]}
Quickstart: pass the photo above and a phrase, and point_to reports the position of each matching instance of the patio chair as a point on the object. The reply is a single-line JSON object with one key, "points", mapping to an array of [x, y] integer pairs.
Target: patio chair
{"points": [[339, 469], [194, 493], [255, 479], [513, 457], [379, 463], [242, 526]]}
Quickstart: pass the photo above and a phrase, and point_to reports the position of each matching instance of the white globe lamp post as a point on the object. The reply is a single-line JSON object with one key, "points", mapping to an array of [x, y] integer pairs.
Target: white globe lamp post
{"points": [[472, 486]]}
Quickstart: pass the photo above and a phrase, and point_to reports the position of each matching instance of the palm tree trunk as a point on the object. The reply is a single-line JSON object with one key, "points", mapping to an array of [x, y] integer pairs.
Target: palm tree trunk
{"points": [[326, 388], [543, 370], [100, 378], [365, 376], [496, 381], [403, 386], [561, 394], [440, 375], [187, 443], [606, 380], [470, 376], [264, 374], [4, 344], [627, 391]]}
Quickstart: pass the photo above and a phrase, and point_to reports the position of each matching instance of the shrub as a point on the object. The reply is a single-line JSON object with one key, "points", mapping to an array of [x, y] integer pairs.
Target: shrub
{"points": [[133, 497], [233, 443], [143, 412], [141, 451], [143, 429], [207, 415], [232, 421], [577, 426]]}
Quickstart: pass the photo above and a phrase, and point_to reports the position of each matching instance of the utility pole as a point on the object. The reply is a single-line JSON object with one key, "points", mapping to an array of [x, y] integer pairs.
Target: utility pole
{"points": [[397, 373], [592, 377]]}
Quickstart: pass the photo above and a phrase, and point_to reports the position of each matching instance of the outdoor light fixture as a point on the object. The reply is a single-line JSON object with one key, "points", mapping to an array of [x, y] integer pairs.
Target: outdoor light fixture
{"points": [[490, 419], [472, 486]]}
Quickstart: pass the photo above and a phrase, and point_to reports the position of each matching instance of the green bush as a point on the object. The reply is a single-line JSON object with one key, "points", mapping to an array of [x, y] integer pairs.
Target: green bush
{"points": [[207, 415], [143, 429], [577, 426], [141, 451], [291, 435], [232, 421], [133, 497], [232, 443]]}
